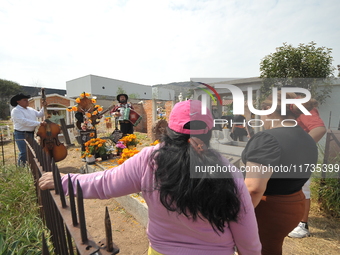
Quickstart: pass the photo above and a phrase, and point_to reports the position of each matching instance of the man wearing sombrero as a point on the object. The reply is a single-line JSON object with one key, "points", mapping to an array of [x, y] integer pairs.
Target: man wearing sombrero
{"points": [[24, 122], [118, 112]]}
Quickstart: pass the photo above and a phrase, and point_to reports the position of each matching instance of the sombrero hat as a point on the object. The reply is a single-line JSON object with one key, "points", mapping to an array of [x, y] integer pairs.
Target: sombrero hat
{"points": [[16, 98], [126, 96]]}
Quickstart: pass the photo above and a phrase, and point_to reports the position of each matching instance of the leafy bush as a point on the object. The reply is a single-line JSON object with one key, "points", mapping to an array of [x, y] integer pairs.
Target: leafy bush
{"points": [[21, 227], [328, 193]]}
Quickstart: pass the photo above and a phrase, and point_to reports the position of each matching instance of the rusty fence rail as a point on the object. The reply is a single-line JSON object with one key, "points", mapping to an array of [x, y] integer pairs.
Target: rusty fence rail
{"points": [[65, 218]]}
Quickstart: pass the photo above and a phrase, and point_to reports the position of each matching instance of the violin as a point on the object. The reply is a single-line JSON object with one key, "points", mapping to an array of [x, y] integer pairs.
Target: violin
{"points": [[48, 134]]}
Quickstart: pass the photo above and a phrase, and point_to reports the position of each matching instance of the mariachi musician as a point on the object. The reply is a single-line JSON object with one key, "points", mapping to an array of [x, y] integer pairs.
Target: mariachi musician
{"points": [[120, 110], [24, 121]]}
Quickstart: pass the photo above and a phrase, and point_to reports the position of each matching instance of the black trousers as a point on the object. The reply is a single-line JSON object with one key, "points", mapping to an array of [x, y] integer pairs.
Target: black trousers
{"points": [[126, 128], [239, 133]]}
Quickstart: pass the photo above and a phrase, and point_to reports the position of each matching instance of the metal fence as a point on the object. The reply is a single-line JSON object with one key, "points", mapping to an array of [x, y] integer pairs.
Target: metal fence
{"points": [[65, 218]]}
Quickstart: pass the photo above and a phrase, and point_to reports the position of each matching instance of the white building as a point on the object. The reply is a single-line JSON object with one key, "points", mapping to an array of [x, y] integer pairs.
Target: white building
{"points": [[101, 86]]}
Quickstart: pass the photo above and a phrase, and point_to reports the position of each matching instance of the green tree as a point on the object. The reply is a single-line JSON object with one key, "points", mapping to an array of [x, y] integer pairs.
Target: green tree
{"points": [[305, 66], [120, 90], [7, 90], [134, 96]]}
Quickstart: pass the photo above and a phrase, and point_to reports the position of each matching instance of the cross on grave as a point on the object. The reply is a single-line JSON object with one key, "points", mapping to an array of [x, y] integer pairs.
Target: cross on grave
{"points": [[64, 128]]}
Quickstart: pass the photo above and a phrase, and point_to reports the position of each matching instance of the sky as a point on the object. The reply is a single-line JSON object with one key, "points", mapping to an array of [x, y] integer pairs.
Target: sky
{"points": [[46, 43]]}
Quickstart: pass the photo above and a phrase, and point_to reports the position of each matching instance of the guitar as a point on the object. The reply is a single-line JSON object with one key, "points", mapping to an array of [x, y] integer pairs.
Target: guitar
{"points": [[94, 118]]}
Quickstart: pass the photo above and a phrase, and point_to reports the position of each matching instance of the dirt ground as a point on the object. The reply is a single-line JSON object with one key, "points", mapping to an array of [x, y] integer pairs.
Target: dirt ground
{"points": [[130, 236]]}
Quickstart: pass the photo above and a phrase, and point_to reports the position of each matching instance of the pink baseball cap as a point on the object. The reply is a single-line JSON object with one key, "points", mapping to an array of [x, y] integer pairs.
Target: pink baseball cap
{"points": [[189, 110]]}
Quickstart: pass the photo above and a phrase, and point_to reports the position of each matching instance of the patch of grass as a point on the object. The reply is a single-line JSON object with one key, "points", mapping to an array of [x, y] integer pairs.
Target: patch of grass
{"points": [[21, 227], [143, 138], [328, 193]]}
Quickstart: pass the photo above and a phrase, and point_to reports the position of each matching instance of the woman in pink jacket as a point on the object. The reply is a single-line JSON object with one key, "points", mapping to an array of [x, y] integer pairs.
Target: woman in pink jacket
{"points": [[197, 201]]}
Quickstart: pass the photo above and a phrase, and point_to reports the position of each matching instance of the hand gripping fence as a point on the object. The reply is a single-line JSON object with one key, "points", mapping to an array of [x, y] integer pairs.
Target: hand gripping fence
{"points": [[66, 222]]}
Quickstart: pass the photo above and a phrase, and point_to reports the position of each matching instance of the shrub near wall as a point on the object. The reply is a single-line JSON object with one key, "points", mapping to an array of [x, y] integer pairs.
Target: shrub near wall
{"points": [[328, 193]]}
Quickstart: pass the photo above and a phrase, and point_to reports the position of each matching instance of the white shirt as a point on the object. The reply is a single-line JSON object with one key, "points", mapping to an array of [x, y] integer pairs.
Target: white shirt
{"points": [[25, 119]]}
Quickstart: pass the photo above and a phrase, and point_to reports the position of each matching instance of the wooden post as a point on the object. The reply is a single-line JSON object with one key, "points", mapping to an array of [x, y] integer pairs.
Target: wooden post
{"points": [[64, 128]]}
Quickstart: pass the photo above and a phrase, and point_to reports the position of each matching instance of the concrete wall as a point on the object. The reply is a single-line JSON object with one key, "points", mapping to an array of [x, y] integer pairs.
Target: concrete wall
{"points": [[160, 93], [330, 112], [77, 86], [331, 106], [97, 85]]}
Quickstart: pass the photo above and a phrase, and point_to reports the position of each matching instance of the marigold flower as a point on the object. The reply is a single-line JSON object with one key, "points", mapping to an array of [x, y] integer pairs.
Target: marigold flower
{"points": [[78, 100], [91, 135], [87, 94], [74, 108], [100, 109], [93, 100], [155, 143], [88, 114]]}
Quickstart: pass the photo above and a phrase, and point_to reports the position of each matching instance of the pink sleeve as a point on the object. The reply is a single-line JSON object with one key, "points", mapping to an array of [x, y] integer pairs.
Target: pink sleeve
{"points": [[118, 181], [245, 231]]}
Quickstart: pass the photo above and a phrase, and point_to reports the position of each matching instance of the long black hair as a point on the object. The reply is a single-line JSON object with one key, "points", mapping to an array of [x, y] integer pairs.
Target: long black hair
{"points": [[214, 199]]}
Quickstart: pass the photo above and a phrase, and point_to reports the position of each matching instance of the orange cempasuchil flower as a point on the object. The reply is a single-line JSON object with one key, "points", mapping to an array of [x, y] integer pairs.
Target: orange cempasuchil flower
{"points": [[87, 94], [78, 100], [88, 114], [93, 100], [100, 109], [74, 108], [94, 112], [91, 135], [155, 143]]}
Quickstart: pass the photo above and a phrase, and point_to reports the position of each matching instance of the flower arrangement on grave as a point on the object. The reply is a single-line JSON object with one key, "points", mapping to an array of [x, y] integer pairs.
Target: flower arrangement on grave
{"points": [[120, 146], [127, 153], [130, 140], [108, 122], [87, 112], [95, 146]]}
